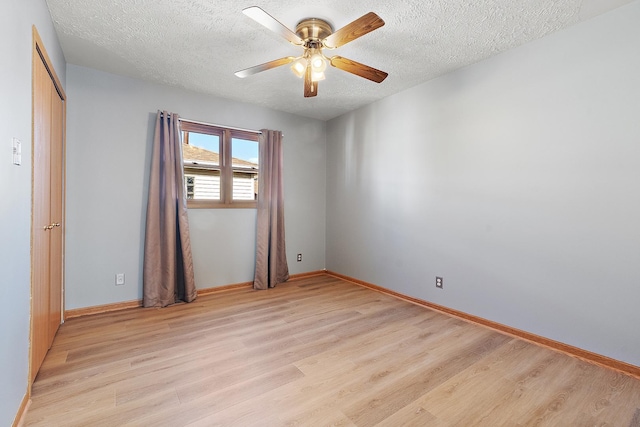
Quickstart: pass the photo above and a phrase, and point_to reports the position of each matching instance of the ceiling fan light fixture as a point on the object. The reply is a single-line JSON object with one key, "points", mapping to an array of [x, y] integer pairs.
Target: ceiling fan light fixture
{"points": [[316, 76], [299, 67], [318, 63]]}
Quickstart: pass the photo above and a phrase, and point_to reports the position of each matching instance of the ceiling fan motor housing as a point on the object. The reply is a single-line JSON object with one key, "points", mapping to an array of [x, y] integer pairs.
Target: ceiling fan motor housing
{"points": [[313, 31]]}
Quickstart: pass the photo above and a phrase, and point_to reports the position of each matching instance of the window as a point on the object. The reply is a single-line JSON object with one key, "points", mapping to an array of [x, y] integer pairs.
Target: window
{"points": [[220, 166], [191, 186]]}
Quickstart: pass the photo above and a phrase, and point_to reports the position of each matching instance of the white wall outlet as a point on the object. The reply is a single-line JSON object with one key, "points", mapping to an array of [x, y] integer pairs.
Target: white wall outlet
{"points": [[119, 279]]}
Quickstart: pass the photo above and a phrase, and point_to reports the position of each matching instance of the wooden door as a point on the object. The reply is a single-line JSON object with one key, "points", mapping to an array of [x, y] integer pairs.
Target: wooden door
{"points": [[56, 202], [48, 206]]}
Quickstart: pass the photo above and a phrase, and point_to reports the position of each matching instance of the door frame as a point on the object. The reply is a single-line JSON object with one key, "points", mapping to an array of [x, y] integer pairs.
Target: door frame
{"points": [[39, 53]]}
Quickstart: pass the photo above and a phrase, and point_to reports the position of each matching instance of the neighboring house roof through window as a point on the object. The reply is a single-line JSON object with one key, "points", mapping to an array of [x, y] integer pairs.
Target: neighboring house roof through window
{"points": [[197, 155]]}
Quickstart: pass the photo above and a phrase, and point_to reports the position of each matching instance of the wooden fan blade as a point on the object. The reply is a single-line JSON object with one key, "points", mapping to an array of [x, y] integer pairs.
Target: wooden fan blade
{"points": [[358, 69], [358, 28], [310, 87], [264, 67], [263, 18]]}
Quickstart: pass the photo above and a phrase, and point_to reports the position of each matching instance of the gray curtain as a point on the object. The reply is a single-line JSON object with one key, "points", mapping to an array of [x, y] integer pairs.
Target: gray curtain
{"points": [[271, 257], [168, 266]]}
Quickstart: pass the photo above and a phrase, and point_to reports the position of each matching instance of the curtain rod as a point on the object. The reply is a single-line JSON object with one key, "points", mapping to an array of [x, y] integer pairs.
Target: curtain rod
{"points": [[220, 126]]}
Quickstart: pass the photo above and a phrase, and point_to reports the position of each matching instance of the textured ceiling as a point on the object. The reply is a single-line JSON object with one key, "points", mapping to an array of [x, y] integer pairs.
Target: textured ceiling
{"points": [[199, 44]]}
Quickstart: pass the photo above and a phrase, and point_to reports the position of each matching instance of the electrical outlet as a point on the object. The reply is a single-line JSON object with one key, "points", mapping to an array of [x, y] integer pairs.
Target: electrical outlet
{"points": [[299, 257], [438, 282], [119, 279]]}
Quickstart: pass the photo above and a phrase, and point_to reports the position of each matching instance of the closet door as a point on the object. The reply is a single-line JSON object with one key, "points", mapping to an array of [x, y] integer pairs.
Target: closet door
{"points": [[56, 214], [48, 207]]}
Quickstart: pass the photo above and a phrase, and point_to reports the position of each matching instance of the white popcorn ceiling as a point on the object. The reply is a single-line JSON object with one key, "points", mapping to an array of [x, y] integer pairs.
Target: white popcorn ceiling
{"points": [[199, 44]]}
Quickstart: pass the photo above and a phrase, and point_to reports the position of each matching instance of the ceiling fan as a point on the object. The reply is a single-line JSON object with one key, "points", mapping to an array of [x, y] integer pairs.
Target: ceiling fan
{"points": [[314, 35]]}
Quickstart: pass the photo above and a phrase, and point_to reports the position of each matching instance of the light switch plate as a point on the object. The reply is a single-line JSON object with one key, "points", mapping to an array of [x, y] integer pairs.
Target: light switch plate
{"points": [[17, 151]]}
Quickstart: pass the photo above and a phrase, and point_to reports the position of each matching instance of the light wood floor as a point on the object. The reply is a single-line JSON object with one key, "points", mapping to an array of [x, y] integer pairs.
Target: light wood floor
{"points": [[316, 351]]}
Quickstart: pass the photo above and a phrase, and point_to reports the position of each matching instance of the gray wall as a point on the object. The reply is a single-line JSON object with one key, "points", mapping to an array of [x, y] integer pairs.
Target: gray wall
{"points": [[16, 20], [517, 179], [110, 129]]}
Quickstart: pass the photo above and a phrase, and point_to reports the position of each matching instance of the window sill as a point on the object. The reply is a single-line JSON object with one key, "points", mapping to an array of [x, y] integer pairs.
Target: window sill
{"points": [[211, 204]]}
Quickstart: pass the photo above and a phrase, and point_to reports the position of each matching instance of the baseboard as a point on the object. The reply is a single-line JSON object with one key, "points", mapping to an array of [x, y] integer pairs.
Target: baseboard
{"points": [[308, 274], [215, 290], [570, 350], [105, 308], [22, 411]]}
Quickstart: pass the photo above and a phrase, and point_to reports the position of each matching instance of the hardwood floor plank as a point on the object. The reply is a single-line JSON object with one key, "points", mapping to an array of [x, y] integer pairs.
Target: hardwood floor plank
{"points": [[499, 406], [196, 408], [314, 351], [406, 389], [330, 383], [411, 416], [47, 413], [375, 370]]}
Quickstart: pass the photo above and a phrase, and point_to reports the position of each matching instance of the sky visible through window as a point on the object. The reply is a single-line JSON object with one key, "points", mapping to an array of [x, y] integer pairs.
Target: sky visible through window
{"points": [[242, 149]]}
